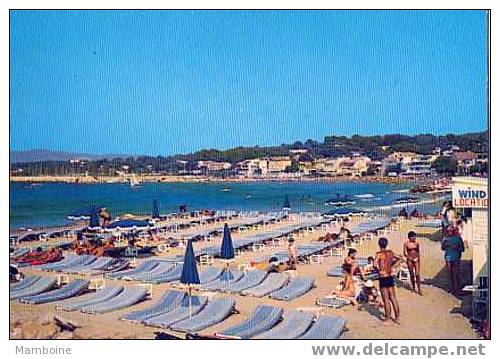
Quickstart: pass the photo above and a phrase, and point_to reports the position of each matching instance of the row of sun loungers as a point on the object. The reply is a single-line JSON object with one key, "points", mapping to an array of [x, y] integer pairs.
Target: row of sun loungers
{"points": [[69, 290], [179, 312], [42, 284]]}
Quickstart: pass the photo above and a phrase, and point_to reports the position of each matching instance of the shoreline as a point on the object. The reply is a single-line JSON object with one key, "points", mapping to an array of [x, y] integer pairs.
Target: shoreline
{"points": [[205, 179]]}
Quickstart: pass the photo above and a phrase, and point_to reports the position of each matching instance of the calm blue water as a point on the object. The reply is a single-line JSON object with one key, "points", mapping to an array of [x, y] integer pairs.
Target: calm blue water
{"points": [[49, 203]]}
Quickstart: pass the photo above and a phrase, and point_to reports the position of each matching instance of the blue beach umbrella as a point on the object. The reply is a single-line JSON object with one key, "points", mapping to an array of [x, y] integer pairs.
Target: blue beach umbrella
{"points": [[226, 249], [190, 271], [94, 217], [156, 210]]}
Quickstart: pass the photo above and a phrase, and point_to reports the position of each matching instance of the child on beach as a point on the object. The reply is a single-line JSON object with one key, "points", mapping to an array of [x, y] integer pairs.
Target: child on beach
{"points": [[385, 260], [411, 251]]}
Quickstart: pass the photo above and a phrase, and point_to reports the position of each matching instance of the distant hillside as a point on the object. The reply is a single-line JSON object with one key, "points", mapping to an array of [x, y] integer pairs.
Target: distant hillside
{"points": [[41, 155]]}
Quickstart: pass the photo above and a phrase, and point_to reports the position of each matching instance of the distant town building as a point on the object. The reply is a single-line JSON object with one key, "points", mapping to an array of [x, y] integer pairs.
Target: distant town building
{"points": [[214, 166], [465, 160]]}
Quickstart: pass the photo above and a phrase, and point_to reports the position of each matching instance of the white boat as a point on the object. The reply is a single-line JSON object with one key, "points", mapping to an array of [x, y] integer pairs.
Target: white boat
{"points": [[134, 181]]}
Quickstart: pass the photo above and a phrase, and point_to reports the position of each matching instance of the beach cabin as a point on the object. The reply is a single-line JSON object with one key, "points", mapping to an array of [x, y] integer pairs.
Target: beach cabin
{"points": [[471, 194]]}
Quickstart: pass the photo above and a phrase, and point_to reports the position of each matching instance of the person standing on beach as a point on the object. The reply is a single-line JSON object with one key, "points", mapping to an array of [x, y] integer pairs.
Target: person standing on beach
{"points": [[453, 246], [411, 251], [293, 254], [385, 260]]}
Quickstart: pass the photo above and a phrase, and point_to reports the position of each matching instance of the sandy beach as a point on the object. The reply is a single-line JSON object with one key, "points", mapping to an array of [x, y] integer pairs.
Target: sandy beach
{"points": [[437, 314]]}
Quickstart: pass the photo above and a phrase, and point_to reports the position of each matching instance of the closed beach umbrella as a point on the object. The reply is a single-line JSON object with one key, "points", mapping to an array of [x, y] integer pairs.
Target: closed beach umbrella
{"points": [[94, 217], [226, 249], [156, 209], [190, 271]]}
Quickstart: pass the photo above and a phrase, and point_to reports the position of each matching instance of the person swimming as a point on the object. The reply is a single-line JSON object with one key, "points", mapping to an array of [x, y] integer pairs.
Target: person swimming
{"points": [[411, 251]]}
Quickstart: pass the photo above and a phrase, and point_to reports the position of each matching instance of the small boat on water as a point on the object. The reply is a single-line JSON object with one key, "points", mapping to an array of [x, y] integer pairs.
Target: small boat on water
{"points": [[134, 181], [226, 189], [340, 200], [406, 199]]}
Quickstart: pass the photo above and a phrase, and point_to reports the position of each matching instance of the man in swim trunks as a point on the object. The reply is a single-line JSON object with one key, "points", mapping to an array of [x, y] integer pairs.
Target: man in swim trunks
{"points": [[411, 251], [385, 260]]}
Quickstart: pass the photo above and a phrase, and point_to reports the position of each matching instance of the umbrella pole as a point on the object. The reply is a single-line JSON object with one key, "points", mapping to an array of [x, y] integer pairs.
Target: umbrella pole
{"points": [[190, 310]]}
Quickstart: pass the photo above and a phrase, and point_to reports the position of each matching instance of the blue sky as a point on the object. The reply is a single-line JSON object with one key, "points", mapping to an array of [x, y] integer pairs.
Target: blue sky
{"points": [[165, 82]]}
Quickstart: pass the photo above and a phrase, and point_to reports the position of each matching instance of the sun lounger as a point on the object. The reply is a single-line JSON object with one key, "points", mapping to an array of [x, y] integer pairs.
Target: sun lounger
{"points": [[99, 296], [18, 252], [210, 274], [335, 272], [182, 312], [293, 326], [160, 269], [41, 285], [250, 279], [78, 262], [168, 302], [70, 258], [129, 296], [143, 267], [263, 318], [326, 327], [332, 301], [99, 263], [69, 290], [273, 282], [294, 289], [227, 278], [214, 312], [116, 265], [25, 283], [170, 276]]}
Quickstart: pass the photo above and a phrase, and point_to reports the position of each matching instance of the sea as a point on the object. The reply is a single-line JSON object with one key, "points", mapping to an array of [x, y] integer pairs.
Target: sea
{"points": [[48, 204]]}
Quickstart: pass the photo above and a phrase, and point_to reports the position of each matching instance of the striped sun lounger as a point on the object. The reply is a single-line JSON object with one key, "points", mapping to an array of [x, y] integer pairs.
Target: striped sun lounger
{"points": [[250, 279], [129, 296], [70, 258], [210, 274], [273, 282], [143, 267], [99, 263], [170, 276], [335, 272], [99, 296], [78, 262], [25, 283], [263, 318], [332, 301], [41, 285], [326, 327], [294, 289], [293, 326], [160, 269], [214, 312], [69, 290], [168, 302], [182, 312], [227, 278], [116, 265]]}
